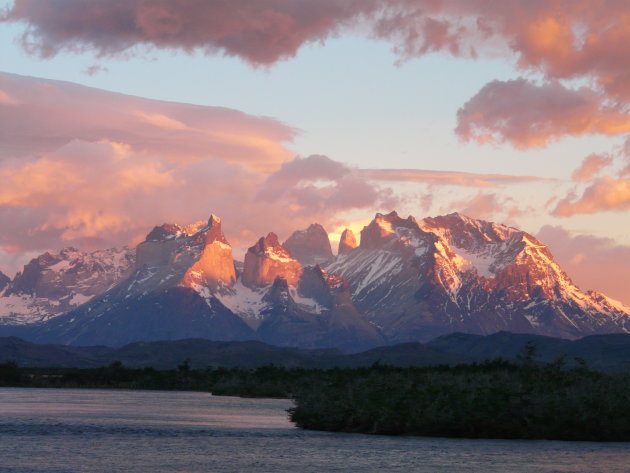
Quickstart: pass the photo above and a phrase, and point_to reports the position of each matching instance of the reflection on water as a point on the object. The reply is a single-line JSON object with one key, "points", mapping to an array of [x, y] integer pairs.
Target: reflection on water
{"points": [[95, 431]]}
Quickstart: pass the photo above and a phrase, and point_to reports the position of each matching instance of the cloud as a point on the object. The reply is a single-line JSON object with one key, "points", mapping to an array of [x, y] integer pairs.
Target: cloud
{"points": [[259, 31], [603, 194], [446, 178], [529, 115], [562, 39], [591, 166], [102, 194], [592, 262], [57, 200], [558, 40], [317, 185], [45, 115], [94, 69], [488, 207]]}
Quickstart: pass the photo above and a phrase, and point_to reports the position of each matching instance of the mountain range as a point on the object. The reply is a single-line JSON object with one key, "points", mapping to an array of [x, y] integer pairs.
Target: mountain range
{"points": [[402, 280]]}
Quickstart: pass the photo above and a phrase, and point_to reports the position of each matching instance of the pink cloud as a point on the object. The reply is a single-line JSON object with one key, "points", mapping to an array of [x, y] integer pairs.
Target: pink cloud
{"points": [[49, 114], [55, 200], [317, 185], [446, 178], [591, 166], [603, 194], [6, 99], [492, 207], [592, 262], [528, 115], [488, 207]]}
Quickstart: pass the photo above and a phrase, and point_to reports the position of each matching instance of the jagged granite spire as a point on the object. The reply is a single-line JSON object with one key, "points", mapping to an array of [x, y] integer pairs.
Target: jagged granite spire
{"points": [[310, 246], [347, 242]]}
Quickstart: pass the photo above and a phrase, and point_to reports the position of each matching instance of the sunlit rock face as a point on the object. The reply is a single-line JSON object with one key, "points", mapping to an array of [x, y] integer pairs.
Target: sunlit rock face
{"points": [[268, 260], [194, 256], [310, 246], [215, 265], [347, 242]]}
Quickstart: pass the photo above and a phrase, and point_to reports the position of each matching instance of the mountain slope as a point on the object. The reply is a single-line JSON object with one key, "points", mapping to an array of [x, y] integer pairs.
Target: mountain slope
{"points": [[168, 296], [310, 246], [4, 281], [420, 279], [55, 283]]}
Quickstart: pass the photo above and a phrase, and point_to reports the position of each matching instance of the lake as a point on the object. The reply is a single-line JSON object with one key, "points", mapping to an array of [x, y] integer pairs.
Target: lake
{"points": [[94, 431]]}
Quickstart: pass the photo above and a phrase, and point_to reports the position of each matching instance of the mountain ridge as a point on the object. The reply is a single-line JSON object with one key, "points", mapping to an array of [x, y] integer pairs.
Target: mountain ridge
{"points": [[601, 352], [406, 280]]}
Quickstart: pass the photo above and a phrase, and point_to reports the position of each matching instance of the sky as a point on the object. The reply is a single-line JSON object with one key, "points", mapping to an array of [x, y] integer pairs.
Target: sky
{"points": [[118, 115]]}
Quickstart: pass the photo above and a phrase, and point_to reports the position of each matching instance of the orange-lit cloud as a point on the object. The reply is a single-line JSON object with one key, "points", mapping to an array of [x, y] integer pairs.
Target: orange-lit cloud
{"points": [[592, 262], [45, 115], [591, 166], [529, 115], [105, 194], [603, 194]]}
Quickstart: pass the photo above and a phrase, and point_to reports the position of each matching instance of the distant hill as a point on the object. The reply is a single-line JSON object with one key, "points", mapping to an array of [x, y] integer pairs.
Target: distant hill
{"points": [[602, 352], [202, 353]]}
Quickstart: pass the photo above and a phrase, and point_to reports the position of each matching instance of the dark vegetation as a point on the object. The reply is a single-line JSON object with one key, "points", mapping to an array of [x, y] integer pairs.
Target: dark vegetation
{"points": [[494, 399]]}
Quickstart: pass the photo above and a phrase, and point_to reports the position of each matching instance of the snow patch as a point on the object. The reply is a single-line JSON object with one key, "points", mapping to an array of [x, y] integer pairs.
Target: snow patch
{"points": [[244, 301], [481, 263]]}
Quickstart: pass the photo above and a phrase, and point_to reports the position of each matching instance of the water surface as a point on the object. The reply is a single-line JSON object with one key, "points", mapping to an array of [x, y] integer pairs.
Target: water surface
{"points": [[68, 431]]}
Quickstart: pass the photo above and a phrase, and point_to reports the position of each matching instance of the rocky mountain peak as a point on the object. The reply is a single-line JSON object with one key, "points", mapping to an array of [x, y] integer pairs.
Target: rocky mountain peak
{"points": [[4, 281], [465, 232], [197, 256], [310, 246], [54, 283], [267, 260], [313, 284], [279, 295], [391, 232], [322, 286], [347, 242], [166, 231], [269, 242], [214, 267]]}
